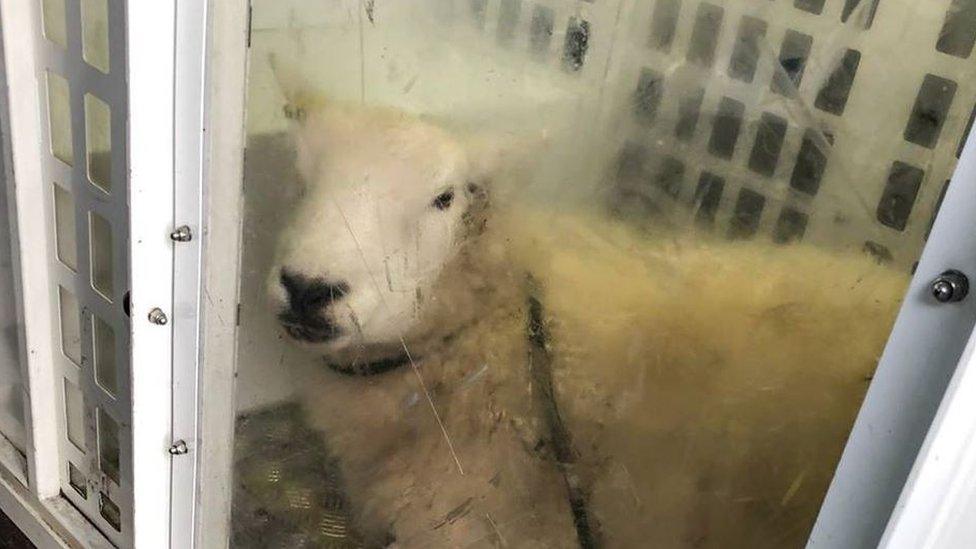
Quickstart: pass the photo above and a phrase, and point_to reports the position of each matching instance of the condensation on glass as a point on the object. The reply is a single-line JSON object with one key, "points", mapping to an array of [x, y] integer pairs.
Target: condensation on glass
{"points": [[558, 274]]}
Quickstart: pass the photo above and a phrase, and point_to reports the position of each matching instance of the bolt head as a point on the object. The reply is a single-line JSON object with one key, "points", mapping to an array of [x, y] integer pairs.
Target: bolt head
{"points": [[157, 316], [942, 291]]}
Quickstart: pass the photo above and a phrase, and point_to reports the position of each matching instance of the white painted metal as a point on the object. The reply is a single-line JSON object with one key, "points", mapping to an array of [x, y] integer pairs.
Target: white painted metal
{"points": [[938, 503], [151, 72], [220, 237], [191, 50], [909, 384], [937, 506], [33, 233]]}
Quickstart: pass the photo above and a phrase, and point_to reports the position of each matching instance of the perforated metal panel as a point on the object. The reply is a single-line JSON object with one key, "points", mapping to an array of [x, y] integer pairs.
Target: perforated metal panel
{"points": [[837, 122], [82, 82]]}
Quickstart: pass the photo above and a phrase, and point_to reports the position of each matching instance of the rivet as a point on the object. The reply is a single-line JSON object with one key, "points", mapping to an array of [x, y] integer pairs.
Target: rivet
{"points": [[157, 316], [178, 448], [181, 234]]}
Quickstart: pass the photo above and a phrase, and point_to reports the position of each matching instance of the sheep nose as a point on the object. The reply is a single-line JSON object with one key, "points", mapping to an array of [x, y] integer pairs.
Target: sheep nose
{"points": [[308, 295]]}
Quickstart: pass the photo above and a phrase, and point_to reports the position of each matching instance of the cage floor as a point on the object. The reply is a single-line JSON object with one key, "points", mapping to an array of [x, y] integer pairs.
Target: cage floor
{"points": [[287, 491]]}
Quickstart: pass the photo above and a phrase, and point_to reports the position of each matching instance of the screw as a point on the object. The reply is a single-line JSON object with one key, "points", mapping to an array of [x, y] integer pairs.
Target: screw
{"points": [[178, 448], [181, 234], [950, 287], [157, 316]]}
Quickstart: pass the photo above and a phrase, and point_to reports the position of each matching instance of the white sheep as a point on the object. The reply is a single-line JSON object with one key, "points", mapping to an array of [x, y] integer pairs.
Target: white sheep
{"points": [[497, 375]]}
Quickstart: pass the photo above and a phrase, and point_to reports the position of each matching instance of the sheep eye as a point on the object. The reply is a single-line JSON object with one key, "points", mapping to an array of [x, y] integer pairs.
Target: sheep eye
{"points": [[444, 200]]}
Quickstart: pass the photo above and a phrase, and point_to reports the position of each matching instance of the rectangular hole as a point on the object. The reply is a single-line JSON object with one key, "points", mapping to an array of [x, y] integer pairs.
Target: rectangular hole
{"points": [[108, 445], [59, 117], [647, 96], [664, 22], [930, 111], [54, 21], [671, 175], [66, 242], [862, 10], [110, 512], [102, 263], [74, 412], [631, 162], [540, 31], [811, 162], [725, 130], [793, 56], [106, 368], [94, 33], [98, 142], [77, 480], [745, 55], [958, 34], [689, 110], [508, 17], [812, 6], [833, 96], [748, 211], [704, 35], [790, 226], [708, 195], [576, 43], [935, 210], [768, 145], [899, 195], [478, 10], [70, 316]]}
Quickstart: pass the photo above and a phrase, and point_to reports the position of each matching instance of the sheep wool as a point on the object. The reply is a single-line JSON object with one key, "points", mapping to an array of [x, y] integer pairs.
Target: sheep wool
{"points": [[696, 393]]}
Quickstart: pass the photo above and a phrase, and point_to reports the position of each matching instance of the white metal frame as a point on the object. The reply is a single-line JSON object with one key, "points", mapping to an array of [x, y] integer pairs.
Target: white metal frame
{"points": [[163, 172], [912, 377]]}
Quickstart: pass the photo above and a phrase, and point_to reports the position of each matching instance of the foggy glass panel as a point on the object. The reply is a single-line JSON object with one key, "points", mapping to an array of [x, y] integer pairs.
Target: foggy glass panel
{"points": [[512, 272]]}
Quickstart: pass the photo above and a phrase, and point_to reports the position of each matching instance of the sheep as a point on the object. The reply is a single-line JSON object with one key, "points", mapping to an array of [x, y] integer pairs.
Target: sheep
{"points": [[496, 374]]}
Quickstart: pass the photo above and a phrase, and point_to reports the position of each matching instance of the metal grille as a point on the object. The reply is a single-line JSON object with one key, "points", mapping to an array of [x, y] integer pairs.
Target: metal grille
{"points": [[836, 122], [82, 83]]}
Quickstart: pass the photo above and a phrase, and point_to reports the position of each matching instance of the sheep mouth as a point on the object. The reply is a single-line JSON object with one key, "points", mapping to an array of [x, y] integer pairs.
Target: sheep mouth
{"points": [[315, 330]]}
